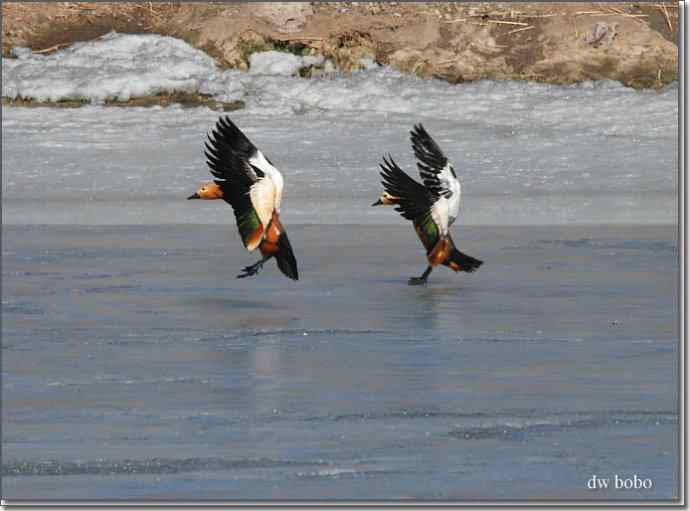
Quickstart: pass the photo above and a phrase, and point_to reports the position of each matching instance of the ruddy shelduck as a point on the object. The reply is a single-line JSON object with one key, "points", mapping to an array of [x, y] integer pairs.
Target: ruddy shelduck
{"points": [[432, 207], [248, 181]]}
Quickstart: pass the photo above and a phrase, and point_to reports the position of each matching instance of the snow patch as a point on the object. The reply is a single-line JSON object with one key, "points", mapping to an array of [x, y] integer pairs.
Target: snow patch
{"points": [[368, 63], [117, 66], [281, 63], [20, 52]]}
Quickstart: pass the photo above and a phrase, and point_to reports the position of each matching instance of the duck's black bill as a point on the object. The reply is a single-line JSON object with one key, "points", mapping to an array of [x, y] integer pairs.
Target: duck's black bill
{"points": [[377, 203], [195, 196]]}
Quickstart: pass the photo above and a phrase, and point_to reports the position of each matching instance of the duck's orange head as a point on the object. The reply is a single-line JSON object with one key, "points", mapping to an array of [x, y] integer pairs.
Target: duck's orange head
{"points": [[208, 191], [386, 199]]}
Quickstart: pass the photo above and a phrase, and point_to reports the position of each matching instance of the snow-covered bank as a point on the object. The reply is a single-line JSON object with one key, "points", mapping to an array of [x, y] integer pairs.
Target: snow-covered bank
{"points": [[120, 67], [115, 66]]}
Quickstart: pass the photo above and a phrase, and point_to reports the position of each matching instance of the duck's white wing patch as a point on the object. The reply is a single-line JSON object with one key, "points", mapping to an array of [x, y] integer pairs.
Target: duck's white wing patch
{"points": [[259, 161], [262, 194], [454, 201], [440, 215], [444, 181]]}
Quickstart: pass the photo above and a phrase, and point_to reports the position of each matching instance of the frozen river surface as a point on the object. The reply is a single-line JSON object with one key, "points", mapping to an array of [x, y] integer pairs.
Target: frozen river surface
{"points": [[136, 366]]}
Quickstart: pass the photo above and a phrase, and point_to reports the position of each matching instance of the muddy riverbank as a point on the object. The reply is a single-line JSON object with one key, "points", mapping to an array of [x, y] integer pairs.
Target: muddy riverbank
{"points": [[634, 43]]}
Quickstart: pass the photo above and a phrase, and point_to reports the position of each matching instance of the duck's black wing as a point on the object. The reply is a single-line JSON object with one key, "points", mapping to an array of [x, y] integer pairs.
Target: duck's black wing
{"points": [[415, 199], [433, 165], [415, 202], [228, 152]]}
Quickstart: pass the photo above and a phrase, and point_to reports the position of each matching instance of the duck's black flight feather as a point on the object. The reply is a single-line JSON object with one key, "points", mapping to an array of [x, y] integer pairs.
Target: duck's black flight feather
{"points": [[431, 162], [415, 200]]}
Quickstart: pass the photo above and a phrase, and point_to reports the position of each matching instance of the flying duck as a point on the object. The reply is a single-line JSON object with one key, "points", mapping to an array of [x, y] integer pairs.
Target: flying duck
{"points": [[248, 181], [432, 206]]}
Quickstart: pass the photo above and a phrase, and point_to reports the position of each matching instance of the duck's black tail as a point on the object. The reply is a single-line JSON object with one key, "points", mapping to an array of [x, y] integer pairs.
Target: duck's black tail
{"points": [[286, 258], [462, 261]]}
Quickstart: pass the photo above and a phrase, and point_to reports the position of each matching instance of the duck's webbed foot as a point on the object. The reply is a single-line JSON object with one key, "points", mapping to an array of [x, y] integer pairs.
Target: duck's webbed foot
{"points": [[420, 281], [248, 271]]}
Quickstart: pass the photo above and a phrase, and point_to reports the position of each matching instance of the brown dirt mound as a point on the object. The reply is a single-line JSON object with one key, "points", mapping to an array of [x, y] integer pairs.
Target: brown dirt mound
{"points": [[634, 43]]}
